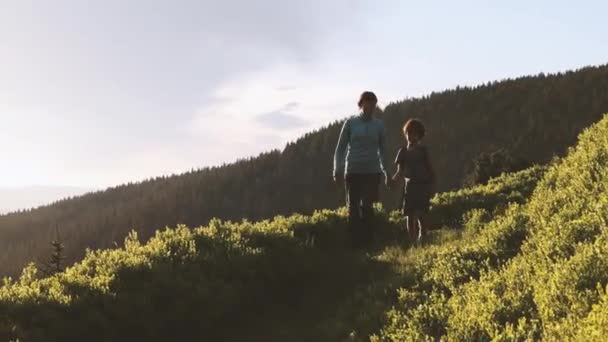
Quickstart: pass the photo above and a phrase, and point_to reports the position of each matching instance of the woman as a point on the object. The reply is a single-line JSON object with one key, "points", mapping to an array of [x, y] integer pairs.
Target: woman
{"points": [[358, 161]]}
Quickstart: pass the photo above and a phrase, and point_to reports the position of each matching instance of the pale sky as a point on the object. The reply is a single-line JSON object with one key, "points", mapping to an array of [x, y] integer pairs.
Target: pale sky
{"points": [[98, 93]]}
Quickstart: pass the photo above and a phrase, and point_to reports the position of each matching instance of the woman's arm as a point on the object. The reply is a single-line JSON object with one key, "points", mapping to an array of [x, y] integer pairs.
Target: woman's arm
{"points": [[382, 151], [340, 153]]}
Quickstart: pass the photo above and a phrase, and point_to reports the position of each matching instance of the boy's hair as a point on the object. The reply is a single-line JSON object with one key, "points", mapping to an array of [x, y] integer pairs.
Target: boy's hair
{"points": [[416, 127], [367, 96]]}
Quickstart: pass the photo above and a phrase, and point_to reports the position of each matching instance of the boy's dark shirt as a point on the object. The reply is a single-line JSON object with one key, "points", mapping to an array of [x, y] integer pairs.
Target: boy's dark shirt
{"points": [[414, 164]]}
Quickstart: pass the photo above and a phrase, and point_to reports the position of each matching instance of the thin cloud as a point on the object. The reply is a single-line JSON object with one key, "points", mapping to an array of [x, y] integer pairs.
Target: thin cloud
{"points": [[286, 88], [282, 118]]}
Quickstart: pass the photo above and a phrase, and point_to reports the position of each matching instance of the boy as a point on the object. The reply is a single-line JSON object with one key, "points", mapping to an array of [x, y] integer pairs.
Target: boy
{"points": [[414, 164]]}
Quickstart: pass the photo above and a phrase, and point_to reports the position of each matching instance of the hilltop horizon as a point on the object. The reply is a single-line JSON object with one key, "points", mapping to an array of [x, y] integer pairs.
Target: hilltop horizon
{"points": [[18, 198], [122, 98], [76, 190]]}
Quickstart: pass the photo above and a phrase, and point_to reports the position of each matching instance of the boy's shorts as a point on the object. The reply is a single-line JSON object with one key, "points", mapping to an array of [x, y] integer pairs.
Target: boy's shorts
{"points": [[416, 198]]}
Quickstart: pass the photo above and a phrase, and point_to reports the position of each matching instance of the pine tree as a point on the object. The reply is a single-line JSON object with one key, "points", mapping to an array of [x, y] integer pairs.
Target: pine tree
{"points": [[54, 263]]}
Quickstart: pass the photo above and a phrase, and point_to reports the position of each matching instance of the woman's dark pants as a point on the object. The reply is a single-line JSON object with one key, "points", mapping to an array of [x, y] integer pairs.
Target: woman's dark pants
{"points": [[361, 193]]}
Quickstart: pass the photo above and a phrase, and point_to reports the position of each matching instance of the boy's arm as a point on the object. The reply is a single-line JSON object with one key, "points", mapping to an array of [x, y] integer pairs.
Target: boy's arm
{"points": [[397, 173], [398, 164], [340, 153]]}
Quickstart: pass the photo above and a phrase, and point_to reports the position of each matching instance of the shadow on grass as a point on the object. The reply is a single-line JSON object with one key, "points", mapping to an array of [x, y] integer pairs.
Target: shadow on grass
{"points": [[284, 290]]}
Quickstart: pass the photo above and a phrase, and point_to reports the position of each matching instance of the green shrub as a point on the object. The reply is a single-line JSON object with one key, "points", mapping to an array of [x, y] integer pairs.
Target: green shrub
{"points": [[448, 209]]}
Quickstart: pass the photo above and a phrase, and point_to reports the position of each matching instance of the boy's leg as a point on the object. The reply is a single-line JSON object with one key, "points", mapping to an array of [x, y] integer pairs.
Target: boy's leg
{"points": [[406, 229], [417, 231], [353, 201], [412, 227], [423, 221], [423, 209]]}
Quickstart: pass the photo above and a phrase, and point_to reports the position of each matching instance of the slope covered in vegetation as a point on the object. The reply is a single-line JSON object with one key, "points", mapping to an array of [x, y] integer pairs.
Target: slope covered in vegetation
{"points": [[531, 262], [534, 117], [538, 271], [290, 278]]}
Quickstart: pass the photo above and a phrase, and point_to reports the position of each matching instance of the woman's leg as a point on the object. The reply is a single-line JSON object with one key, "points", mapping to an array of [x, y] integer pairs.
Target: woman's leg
{"points": [[369, 195], [353, 202]]}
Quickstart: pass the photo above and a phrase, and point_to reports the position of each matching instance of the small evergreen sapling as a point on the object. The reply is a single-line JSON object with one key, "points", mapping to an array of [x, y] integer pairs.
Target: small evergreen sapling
{"points": [[54, 263]]}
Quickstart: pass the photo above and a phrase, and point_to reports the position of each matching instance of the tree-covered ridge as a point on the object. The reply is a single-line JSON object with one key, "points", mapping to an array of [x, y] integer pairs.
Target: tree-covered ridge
{"points": [[290, 278], [533, 117]]}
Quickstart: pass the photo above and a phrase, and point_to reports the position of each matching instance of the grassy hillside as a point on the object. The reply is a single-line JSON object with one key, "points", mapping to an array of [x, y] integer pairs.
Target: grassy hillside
{"points": [[535, 117], [288, 278], [535, 268], [538, 271]]}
